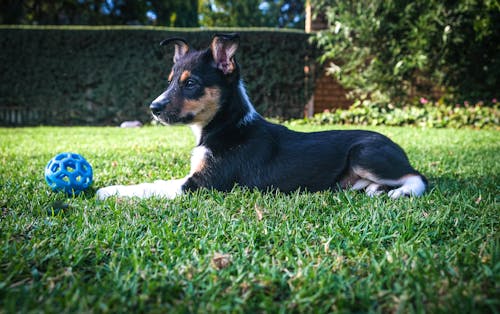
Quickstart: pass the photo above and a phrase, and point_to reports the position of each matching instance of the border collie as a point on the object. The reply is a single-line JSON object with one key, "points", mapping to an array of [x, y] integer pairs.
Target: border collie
{"points": [[235, 145]]}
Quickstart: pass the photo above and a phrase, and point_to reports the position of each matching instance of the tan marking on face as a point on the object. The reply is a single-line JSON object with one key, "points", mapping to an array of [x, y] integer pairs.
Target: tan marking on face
{"points": [[185, 75], [171, 76], [203, 109]]}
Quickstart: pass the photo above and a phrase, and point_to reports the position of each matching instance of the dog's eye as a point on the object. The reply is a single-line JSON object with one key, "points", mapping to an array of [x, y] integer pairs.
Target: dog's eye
{"points": [[190, 83]]}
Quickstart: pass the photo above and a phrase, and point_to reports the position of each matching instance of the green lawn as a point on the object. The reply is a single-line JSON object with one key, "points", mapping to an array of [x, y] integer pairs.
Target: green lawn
{"points": [[246, 251]]}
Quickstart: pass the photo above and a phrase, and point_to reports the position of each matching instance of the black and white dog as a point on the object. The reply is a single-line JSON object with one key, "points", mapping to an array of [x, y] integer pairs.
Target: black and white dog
{"points": [[235, 145]]}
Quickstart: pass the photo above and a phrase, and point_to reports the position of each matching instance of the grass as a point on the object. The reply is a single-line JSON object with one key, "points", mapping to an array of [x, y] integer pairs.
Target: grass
{"points": [[246, 251]]}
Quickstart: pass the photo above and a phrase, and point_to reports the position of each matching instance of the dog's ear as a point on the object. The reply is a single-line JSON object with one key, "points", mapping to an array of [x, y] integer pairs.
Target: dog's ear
{"points": [[223, 49], [181, 47]]}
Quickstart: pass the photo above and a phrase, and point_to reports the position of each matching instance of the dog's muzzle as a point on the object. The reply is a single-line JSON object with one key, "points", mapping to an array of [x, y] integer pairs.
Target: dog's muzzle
{"points": [[157, 107], [163, 112]]}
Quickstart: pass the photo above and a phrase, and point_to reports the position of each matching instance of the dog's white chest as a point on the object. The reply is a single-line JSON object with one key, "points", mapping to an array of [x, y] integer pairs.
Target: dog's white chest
{"points": [[199, 156]]}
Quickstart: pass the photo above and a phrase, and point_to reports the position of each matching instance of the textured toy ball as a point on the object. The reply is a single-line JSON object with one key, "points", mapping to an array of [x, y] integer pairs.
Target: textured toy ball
{"points": [[69, 173]]}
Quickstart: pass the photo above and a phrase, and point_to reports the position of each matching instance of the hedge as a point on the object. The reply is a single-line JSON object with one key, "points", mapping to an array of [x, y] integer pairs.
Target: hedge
{"points": [[106, 75], [429, 115]]}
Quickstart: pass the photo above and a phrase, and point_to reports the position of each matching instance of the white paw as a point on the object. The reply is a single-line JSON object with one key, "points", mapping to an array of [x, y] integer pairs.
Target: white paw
{"points": [[413, 186], [373, 190], [104, 193], [401, 192], [167, 189]]}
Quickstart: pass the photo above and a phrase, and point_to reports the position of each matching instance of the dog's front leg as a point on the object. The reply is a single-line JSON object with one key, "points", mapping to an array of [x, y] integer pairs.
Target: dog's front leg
{"points": [[167, 189]]}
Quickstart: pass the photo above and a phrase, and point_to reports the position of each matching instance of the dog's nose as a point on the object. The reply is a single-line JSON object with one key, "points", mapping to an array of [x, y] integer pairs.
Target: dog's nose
{"points": [[157, 107]]}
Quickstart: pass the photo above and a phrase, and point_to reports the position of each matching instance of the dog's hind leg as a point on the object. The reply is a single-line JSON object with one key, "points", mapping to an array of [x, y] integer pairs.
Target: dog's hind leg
{"points": [[412, 185], [374, 189], [385, 167], [360, 184], [407, 185]]}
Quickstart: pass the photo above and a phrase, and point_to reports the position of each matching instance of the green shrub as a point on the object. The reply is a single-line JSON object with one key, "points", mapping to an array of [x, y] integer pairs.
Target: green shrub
{"points": [[388, 50], [426, 114], [105, 75]]}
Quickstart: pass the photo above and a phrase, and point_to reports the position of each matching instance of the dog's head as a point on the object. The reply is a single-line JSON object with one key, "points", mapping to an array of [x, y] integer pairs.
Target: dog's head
{"points": [[194, 88]]}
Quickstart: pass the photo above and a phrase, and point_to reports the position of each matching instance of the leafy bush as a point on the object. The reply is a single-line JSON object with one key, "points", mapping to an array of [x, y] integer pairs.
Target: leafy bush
{"points": [[105, 75], [392, 51], [425, 114]]}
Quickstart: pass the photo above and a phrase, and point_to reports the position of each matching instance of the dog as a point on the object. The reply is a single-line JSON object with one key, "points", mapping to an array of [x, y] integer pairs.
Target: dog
{"points": [[237, 146]]}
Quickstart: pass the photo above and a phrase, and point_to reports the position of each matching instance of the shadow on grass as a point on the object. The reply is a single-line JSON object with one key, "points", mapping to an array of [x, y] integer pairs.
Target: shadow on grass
{"points": [[447, 184]]}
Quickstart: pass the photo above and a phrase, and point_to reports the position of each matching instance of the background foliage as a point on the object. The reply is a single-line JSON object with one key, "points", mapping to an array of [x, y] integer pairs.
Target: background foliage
{"points": [[85, 75], [173, 13], [393, 51], [246, 13], [180, 13], [429, 114]]}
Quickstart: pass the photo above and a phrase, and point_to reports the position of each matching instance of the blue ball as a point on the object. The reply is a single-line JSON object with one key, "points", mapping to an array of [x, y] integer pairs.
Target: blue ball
{"points": [[69, 173]]}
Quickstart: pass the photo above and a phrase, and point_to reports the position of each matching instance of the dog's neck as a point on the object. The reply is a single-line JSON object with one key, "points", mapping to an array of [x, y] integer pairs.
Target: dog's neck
{"points": [[197, 130], [237, 111], [250, 114]]}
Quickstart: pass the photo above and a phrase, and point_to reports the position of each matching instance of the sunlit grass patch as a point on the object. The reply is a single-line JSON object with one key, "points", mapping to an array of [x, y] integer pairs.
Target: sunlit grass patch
{"points": [[245, 251]]}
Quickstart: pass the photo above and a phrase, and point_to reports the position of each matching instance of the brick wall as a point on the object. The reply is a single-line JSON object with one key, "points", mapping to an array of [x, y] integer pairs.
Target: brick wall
{"points": [[329, 94]]}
